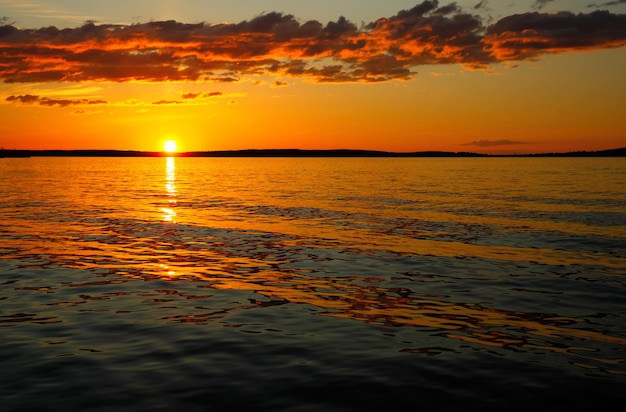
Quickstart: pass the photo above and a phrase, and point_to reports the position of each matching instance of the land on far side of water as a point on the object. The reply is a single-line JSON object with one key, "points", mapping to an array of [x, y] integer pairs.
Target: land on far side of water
{"points": [[292, 153]]}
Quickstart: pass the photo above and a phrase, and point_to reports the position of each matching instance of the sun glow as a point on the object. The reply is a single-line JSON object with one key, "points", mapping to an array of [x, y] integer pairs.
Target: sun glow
{"points": [[170, 146]]}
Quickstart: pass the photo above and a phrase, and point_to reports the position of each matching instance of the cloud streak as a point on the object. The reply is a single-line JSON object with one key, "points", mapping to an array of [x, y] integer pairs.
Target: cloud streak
{"points": [[276, 44], [607, 3], [191, 95], [29, 99], [492, 143]]}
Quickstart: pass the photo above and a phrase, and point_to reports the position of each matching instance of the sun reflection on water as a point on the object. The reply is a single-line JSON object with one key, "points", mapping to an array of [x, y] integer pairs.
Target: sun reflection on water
{"points": [[170, 190], [167, 270]]}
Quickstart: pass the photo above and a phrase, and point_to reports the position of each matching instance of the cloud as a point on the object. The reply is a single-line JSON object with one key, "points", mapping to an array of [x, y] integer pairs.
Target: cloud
{"points": [[278, 45], [490, 143], [24, 99], [68, 102], [167, 102], [540, 4], [607, 3], [46, 101], [42, 10], [526, 36], [482, 4], [190, 95], [201, 95], [85, 112]]}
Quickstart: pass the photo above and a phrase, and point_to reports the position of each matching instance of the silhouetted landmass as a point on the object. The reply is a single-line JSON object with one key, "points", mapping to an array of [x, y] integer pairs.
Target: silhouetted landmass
{"points": [[323, 153], [292, 153], [601, 153], [77, 153]]}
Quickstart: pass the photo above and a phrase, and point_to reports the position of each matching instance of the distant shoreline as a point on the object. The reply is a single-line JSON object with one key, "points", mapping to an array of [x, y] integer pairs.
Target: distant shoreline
{"points": [[8, 153]]}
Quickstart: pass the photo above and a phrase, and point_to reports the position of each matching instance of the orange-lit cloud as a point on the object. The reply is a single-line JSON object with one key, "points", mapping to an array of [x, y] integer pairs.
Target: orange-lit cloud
{"points": [[167, 102], [276, 44]]}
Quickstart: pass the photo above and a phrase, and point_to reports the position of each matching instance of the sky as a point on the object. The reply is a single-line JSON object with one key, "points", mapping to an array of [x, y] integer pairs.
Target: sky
{"points": [[482, 76]]}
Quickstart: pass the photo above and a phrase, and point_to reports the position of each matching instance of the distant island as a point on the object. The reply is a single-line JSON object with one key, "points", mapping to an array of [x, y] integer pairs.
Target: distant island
{"points": [[292, 153]]}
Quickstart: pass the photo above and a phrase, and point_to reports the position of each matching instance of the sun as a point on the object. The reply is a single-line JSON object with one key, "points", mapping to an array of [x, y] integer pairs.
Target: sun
{"points": [[170, 146]]}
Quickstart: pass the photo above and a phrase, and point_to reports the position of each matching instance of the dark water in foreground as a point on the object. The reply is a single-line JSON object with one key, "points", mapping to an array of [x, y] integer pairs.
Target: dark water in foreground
{"points": [[312, 284]]}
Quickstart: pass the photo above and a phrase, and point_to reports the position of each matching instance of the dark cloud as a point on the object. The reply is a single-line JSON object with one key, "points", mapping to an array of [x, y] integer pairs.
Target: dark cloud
{"points": [[482, 4], [45, 101], [277, 44], [490, 143], [528, 35], [607, 3], [25, 99]]}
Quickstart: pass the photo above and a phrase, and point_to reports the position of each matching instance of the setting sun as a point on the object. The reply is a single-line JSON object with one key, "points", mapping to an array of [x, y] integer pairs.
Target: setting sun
{"points": [[170, 146]]}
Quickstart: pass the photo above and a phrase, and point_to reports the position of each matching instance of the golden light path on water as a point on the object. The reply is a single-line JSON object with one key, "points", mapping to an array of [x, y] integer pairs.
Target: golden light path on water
{"points": [[169, 212]]}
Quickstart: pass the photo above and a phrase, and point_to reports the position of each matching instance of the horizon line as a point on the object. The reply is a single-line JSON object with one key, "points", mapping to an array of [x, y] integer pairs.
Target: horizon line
{"points": [[288, 153]]}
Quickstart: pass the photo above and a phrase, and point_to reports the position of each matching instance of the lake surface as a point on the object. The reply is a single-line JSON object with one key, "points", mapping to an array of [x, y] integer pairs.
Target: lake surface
{"points": [[305, 284]]}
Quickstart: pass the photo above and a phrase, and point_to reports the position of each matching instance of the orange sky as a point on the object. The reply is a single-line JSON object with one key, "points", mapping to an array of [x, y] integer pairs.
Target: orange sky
{"points": [[431, 77]]}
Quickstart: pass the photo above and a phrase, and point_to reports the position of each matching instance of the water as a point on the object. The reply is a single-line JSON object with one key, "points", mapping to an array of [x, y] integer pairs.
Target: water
{"points": [[312, 284]]}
